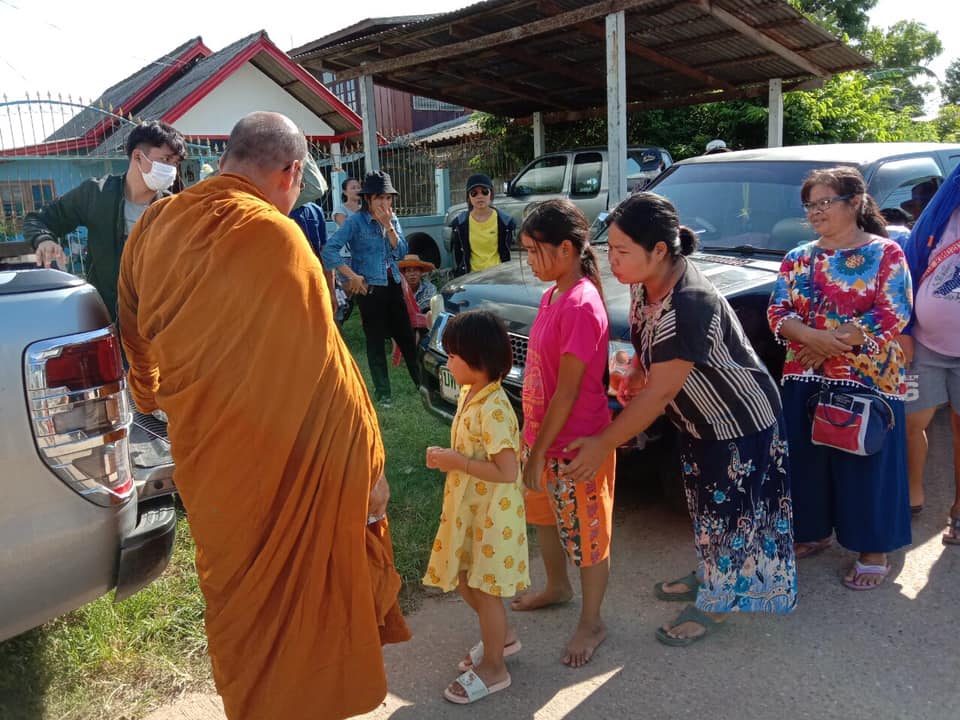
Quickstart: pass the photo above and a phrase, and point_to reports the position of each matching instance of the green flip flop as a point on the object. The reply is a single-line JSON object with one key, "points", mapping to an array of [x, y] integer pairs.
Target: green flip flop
{"points": [[691, 581], [689, 614]]}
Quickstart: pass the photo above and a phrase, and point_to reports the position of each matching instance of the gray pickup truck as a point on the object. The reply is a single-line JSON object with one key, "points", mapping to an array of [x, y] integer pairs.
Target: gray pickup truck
{"points": [[581, 175], [87, 484]]}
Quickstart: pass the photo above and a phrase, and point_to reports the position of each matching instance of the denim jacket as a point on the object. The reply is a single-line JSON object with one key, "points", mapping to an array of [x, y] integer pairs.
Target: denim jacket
{"points": [[369, 247]]}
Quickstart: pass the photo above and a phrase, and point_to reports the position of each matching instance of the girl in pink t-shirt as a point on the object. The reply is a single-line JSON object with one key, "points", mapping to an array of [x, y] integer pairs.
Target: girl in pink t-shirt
{"points": [[565, 397]]}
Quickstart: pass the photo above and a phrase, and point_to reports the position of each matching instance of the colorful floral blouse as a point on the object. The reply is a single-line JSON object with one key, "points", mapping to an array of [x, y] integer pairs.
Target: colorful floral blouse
{"points": [[868, 286]]}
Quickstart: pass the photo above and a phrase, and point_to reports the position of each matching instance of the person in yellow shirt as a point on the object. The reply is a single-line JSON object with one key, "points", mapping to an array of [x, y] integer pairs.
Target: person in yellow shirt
{"points": [[481, 235]]}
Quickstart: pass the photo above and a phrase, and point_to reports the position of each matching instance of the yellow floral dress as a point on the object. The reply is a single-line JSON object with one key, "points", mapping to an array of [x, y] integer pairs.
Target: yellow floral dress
{"points": [[483, 529]]}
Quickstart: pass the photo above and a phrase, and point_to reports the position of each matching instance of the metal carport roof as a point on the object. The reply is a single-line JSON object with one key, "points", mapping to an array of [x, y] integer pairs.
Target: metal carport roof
{"points": [[516, 57]]}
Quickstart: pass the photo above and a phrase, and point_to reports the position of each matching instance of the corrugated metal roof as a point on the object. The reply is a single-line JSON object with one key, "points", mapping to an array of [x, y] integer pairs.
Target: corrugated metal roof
{"points": [[206, 68], [676, 49], [117, 98]]}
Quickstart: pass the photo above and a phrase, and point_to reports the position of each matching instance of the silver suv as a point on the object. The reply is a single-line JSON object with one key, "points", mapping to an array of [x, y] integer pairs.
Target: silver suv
{"points": [[86, 507]]}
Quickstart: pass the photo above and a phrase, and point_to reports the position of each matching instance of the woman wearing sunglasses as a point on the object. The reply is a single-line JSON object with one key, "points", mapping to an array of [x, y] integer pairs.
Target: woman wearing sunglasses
{"points": [[481, 235]]}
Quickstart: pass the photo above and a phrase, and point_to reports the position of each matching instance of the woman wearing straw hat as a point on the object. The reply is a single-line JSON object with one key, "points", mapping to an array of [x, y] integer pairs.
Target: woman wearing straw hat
{"points": [[375, 241], [481, 235]]}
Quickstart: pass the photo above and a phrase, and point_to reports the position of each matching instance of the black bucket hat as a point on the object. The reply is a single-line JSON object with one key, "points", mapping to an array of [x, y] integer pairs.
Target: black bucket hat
{"points": [[378, 183]]}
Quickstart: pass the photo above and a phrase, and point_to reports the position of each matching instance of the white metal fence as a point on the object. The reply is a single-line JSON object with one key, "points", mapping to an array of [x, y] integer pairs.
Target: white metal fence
{"points": [[49, 145]]}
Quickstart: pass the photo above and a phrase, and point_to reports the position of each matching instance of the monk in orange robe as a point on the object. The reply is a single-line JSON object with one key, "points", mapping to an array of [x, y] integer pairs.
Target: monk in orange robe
{"points": [[226, 321]]}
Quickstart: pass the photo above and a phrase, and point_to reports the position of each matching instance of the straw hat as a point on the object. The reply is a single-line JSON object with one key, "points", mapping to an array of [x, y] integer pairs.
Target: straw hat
{"points": [[414, 261]]}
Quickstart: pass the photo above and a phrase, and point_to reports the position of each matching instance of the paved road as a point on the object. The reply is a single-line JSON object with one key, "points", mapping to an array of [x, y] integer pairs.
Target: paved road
{"points": [[890, 654]]}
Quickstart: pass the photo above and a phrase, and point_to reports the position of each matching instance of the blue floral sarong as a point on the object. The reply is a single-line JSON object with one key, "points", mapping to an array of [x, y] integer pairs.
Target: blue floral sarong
{"points": [[738, 494]]}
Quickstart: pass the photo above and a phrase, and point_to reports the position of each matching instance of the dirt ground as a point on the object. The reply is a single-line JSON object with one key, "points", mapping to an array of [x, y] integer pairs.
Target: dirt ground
{"points": [[888, 654]]}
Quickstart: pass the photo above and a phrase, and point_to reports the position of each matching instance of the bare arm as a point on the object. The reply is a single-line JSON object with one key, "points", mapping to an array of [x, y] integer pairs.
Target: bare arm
{"points": [[501, 468], [664, 381]]}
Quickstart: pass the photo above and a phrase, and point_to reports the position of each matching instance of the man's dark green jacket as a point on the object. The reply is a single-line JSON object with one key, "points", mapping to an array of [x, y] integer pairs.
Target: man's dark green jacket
{"points": [[98, 205]]}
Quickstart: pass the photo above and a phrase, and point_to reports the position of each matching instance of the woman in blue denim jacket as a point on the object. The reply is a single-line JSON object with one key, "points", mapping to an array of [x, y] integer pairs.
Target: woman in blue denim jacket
{"points": [[375, 241]]}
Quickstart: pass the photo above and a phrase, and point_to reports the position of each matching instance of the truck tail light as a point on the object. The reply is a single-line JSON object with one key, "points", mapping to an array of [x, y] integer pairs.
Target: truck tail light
{"points": [[80, 415], [86, 365]]}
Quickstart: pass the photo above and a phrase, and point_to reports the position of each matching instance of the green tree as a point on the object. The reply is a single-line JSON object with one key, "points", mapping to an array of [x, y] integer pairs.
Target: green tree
{"points": [[850, 108], [948, 124], [950, 87], [902, 53], [841, 17]]}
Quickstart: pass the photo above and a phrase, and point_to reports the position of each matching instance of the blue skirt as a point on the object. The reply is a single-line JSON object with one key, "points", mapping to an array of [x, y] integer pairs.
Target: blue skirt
{"points": [[864, 499], [738, 493]]}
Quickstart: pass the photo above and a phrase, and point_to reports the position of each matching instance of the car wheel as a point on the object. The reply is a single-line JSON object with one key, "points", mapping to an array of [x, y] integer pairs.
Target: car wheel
{"points": [[424, 246]]}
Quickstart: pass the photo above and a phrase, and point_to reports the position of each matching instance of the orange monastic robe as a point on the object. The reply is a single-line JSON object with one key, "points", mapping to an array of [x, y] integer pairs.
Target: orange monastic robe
{"points": [[226, 321]]}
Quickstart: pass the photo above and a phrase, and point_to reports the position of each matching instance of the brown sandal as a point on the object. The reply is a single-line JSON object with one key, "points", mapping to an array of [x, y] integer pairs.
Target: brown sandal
{"points": [[808, 549], [952, 534]]}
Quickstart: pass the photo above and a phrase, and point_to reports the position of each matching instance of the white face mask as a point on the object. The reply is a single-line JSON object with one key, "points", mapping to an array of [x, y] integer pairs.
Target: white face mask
{"points": [[161, 175]]}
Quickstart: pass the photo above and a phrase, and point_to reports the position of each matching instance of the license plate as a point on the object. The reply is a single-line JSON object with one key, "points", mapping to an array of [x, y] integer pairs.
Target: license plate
{"points": [[449, 389]]}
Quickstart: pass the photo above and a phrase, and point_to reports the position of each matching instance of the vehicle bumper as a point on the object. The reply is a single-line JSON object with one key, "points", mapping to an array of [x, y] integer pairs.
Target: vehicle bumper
{"points": [[146, 550], [433, 401], [154, 482]]}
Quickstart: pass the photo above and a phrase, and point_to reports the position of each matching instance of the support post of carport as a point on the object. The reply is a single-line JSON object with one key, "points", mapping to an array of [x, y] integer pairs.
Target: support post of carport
{"points": [[775, 114], [616, 108], [539, 144], [368, 111]]}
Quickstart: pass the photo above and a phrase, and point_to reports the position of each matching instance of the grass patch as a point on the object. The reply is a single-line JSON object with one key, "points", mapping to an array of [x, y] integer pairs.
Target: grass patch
{"points": [[109, 661], [415, 492], [106, 660]]}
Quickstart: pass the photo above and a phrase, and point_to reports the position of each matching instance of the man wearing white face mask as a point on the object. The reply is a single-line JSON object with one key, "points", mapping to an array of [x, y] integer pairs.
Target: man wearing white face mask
{"points": [[109, 207]]}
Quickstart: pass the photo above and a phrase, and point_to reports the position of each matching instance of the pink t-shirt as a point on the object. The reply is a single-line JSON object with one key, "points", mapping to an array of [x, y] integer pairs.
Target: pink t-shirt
{"points": [[575, 323], [938, 297]]}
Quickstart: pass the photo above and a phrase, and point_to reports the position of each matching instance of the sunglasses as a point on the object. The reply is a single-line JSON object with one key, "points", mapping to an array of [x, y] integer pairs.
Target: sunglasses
{"points": [[479, 191]]}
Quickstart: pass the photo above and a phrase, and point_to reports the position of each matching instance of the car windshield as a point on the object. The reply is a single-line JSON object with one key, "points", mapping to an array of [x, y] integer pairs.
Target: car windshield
{"points": [[748, 206]]}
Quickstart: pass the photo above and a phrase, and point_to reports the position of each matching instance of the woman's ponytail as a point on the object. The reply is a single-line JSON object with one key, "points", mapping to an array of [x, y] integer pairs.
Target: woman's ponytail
{"points": [[869, 218], [688, 240], [590, 267]]}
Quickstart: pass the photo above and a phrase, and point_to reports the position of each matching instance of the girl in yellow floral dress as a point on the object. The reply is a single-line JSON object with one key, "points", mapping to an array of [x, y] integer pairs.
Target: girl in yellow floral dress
{"points": [[481, 544]]}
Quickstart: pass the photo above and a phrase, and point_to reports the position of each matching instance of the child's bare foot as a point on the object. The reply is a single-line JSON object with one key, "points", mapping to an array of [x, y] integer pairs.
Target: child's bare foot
{"points": [[545, 598], [585, 640]]}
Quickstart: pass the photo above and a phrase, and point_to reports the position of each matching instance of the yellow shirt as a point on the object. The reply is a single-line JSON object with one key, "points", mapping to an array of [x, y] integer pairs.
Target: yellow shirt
{"points": [[483, 243]]}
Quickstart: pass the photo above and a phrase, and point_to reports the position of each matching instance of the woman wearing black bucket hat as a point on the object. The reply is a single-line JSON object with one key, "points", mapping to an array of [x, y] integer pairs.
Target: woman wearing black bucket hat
{"points": [[481, 235], [375, 241]]}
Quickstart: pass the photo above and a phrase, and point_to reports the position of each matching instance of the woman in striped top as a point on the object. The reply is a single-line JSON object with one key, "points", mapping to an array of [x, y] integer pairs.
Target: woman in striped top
{"points": [[694, 362]]}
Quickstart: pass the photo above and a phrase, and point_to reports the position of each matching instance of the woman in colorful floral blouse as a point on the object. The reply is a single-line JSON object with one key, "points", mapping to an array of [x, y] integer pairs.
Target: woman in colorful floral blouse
{"points": [[839, 304]]}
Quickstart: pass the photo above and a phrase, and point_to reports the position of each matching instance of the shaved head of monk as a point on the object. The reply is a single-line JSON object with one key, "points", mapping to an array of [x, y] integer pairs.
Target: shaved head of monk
{"points": [[269, 149]]}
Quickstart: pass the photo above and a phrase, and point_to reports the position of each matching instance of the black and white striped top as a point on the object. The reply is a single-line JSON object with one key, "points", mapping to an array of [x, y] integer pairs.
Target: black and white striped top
{"points": [[728, 393]]}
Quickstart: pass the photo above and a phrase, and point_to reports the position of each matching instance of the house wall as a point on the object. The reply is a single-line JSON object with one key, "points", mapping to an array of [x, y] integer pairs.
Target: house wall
{"points": [[60, 174], [397, 111], [394, 111], [246, 90]]}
